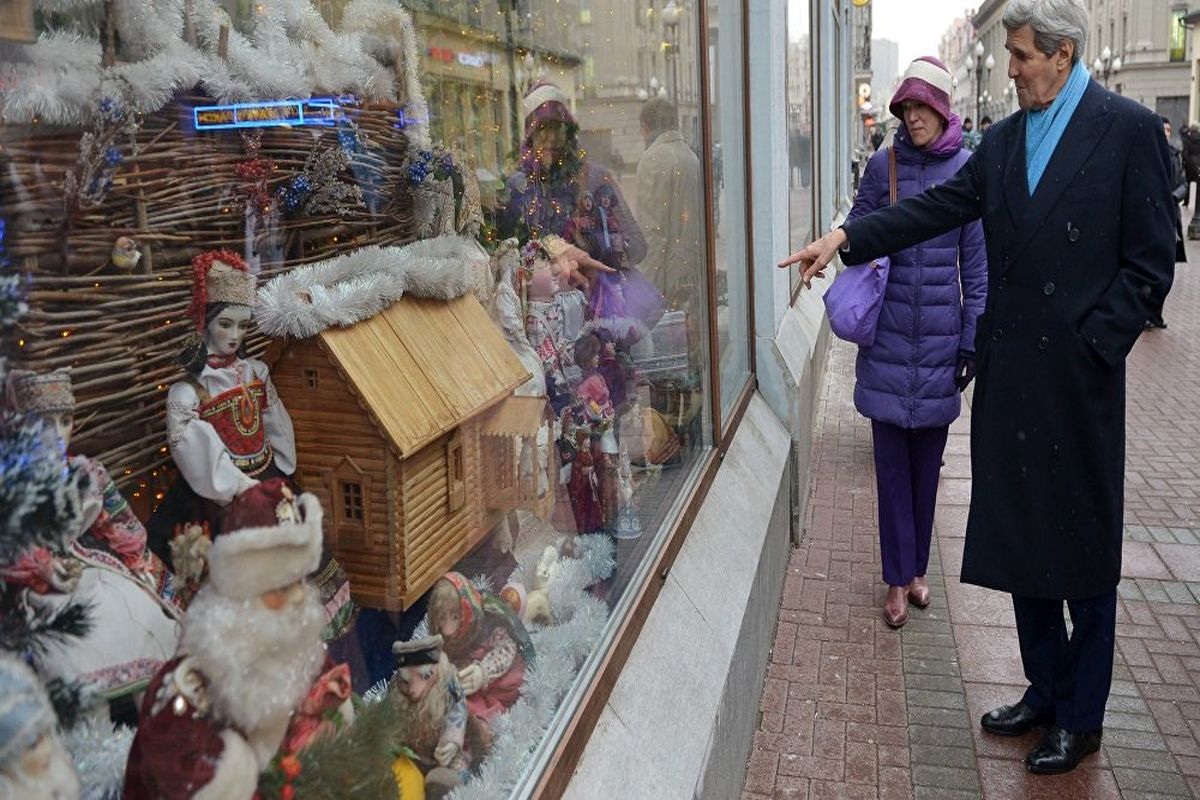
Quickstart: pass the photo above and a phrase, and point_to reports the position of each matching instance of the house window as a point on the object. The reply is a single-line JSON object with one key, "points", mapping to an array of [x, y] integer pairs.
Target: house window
{"points": [[456, 484], [312, 378], [1178, 35], [352, 501]]}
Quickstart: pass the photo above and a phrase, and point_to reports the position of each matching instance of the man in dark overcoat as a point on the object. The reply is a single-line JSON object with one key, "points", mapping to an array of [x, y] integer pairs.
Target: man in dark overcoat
{"points": [[1081, 246]]}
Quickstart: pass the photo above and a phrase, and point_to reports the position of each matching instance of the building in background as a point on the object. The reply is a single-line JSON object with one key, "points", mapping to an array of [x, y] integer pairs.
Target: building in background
{"points": [[885, 71], [1141, 49], [987, 64], [955, 52]]}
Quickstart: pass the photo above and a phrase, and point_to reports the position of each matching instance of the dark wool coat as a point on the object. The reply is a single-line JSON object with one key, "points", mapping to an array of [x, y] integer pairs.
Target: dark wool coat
{"points": [[1074, 273]]}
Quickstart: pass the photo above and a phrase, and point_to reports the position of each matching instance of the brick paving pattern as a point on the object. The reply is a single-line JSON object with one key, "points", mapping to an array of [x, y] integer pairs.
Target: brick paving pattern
{"points": [[851, 709]]}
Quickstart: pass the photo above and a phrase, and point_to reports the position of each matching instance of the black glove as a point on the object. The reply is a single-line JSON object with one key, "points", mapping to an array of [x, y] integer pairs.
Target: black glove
{"points": [[964, 373]]}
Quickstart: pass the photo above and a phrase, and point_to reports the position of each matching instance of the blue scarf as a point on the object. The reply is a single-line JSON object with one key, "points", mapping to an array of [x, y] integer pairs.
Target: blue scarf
{"points": [[1044, 128]]}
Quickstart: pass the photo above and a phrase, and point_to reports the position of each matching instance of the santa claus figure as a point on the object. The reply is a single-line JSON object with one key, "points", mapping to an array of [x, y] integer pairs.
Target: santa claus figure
{"points": [[251, 681], [33, 763]]}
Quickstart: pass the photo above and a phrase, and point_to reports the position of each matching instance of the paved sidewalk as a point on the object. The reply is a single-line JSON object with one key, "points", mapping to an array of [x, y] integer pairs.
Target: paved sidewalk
{"points": [[851, 709]]}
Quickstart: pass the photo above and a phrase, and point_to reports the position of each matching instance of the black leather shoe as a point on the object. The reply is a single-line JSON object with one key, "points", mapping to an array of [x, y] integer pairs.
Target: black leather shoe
{"points": [[1061, 751], [1014, 720]]}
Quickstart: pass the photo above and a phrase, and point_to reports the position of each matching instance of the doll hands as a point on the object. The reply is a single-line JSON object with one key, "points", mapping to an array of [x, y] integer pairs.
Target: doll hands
{"points": [[471, 678], [445, 753]]}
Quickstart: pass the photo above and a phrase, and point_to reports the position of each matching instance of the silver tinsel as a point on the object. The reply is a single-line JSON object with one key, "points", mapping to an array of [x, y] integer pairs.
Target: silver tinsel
{"points": [[99, 750]]}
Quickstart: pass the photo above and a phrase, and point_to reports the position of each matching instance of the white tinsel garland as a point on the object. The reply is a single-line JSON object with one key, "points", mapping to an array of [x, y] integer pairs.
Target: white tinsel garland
{"points": [[99, 750], [292, 52], [347, 289], [560, 650]]}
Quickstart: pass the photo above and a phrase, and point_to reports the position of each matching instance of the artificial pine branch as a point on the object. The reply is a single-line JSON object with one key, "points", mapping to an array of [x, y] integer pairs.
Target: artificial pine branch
{"points": [[68, 700], [356, 761], [21, 634]]}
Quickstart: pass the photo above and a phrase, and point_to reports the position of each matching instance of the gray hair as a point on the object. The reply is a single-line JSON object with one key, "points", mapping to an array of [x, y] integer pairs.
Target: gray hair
{"points": [[1052, 22]]}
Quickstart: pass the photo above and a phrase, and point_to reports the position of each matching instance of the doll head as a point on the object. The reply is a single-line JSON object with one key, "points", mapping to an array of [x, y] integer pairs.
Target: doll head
{"points": [[47, 395], [455, 607], [587, 351], [223, 291], [538, 273], [606, 197], [33, 763], [585, 204], [421, 669]]}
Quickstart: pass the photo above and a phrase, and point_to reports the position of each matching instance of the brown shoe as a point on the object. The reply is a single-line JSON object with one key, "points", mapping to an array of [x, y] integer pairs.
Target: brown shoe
{"points": [[895, 608], [918, 592]]}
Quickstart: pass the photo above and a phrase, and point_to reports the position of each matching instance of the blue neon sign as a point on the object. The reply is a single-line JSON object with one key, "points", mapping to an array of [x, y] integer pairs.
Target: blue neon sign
{"points": [[269, 114]]}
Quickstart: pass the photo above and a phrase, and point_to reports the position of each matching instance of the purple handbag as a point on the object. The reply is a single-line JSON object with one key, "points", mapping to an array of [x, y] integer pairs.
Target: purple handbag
{"points": [[854, 300]]}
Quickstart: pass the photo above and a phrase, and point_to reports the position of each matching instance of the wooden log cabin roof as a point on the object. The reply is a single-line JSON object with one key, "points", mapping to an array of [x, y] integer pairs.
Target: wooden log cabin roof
{"points": [[422, 367]]}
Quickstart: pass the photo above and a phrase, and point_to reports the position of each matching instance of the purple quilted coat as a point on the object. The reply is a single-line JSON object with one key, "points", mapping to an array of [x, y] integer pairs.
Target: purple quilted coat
{"points": [[934, 293]]}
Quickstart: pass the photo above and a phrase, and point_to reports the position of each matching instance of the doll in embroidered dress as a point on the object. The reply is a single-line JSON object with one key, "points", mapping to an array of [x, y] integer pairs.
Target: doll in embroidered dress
{"points": [[487, 644], [544, 322], [107, 566], [227, 431]]}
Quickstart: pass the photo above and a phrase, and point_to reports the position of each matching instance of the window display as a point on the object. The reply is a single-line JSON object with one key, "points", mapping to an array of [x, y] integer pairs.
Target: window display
{"points": [[391, 322]]}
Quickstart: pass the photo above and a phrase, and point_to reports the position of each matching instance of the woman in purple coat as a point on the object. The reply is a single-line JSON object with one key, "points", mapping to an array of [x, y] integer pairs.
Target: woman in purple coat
{"points": [[910, 380]]}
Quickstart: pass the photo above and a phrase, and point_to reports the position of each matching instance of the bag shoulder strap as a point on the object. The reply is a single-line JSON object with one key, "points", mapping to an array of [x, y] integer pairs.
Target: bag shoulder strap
{"points": [[892, 175]]}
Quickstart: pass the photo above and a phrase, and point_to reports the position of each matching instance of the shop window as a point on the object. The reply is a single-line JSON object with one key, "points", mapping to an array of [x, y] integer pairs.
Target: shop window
{"points": [[543, 121], [799, 60]]}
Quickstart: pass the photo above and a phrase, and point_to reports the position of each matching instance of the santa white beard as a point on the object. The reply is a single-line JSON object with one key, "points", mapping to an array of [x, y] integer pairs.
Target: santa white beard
{"points": [[259, 663]]}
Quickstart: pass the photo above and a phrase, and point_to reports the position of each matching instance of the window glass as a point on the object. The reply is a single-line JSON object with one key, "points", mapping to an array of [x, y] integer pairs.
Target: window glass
{"points": [[1178, 51], [800, 126], [439, 266], [727, 119]]}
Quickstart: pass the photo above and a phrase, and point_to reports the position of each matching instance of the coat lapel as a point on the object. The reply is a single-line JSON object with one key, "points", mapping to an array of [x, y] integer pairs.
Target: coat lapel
{"points": [[1016, 184], [1087, 127]]}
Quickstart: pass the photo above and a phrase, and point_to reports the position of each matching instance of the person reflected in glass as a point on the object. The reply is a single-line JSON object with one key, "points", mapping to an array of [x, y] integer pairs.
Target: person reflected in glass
{"points": [[909, 382]]}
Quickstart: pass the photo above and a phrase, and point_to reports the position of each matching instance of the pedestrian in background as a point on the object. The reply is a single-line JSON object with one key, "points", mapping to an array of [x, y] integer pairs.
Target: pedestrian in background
{"points": [[1075, 196], [910, 380], [1190, 136], [1179, 191]]}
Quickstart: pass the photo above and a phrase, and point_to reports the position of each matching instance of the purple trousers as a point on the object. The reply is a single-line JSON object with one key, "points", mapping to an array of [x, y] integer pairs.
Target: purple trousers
{"points": [[907, 461]]}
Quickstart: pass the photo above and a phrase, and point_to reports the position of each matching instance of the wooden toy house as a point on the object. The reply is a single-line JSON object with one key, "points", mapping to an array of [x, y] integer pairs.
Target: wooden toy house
{"points": [[391, 415]]}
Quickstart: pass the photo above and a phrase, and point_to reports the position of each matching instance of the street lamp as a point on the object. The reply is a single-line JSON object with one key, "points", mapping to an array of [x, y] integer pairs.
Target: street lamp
{"points": [[671, 14], [978, 63], [1106, 65]]}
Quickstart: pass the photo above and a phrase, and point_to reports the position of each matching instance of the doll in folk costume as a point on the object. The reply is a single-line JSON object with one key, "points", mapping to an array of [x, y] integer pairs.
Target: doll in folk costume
{"points": [[484, 640], [227, 430], [107, 566], [433, 706], [251, 682], [544, 325], [33, 763], [589, 444]]}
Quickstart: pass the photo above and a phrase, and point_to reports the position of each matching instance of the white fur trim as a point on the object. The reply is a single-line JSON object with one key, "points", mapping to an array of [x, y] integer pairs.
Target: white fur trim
{"points": [[347, 289], [292, 52], [546, 93], [931, 74], [247, 562], [236, 777]]}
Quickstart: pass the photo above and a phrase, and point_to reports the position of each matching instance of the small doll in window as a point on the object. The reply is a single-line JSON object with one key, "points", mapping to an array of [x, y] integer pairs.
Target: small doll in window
{"points": [[544, 323], [485, 641], [580, 228], [426, 693], [606, 228], [588, 429]]}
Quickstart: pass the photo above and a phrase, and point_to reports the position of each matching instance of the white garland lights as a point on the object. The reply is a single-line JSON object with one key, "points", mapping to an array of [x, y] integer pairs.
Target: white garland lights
{"points": [[292, 52], [350, 288]]}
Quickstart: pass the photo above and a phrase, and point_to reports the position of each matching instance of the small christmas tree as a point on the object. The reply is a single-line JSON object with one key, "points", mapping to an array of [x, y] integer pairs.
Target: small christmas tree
{"points": [[39, 501]]}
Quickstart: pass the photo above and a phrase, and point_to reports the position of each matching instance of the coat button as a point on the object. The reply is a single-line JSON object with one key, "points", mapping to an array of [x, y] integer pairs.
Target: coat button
{"points": [[1003, 282], [1048, 289], [1043, 343], [1072, 233], [997, 334]]}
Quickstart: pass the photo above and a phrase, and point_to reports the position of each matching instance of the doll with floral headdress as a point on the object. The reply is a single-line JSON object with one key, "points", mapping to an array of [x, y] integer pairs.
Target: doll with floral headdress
{"points": [[107, 566], [589, 443], [485, 641], [227, 430]]}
